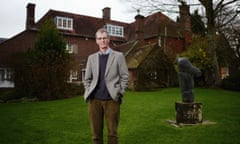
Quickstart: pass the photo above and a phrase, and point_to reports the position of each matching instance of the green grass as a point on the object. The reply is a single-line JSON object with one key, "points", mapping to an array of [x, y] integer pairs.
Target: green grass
{"points": [[143, 120]]}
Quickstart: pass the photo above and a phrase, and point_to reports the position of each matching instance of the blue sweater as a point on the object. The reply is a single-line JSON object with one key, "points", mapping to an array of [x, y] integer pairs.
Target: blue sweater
{"points": [[101, 91]]}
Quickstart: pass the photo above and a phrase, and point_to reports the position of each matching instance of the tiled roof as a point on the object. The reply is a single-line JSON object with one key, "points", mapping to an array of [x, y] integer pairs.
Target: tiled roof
{"points": [[138, 55], [87, 26], [124, 48], [135, 53], [159, 23], [83, 25]]}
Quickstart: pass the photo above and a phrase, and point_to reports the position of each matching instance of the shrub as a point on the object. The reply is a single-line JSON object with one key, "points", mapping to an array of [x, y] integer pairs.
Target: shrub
{"points": [[74, 89], [231, 83], [7, 94]]}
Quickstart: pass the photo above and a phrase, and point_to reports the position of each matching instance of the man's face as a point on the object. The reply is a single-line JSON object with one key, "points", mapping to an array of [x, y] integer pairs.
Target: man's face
{"points": [[102, 41]]}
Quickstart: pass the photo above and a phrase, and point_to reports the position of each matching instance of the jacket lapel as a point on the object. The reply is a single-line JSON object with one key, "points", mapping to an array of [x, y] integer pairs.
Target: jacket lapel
{"points": [[109, 62], [96, 59]]}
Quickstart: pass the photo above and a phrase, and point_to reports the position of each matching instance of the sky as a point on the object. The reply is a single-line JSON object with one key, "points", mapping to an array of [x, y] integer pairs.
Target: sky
{"points": [[13, 12]]}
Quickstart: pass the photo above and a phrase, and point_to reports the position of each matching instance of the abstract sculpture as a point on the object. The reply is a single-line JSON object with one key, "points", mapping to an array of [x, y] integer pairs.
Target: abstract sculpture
{"points": [[186, 78]]}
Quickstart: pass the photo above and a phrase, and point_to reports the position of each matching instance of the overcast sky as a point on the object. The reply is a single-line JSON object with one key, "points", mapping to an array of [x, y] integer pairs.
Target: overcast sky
{"points": [[13, 12]]}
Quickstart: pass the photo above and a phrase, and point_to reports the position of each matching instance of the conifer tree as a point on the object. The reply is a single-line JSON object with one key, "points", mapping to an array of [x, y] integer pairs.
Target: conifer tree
{"points": [[50, 63]]}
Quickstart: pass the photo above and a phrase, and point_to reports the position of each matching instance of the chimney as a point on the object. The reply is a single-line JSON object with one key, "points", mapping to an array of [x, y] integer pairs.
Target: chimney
{"points": [[185, 21], [139, 33], [106, 13], [30, 21], [185, 16]]}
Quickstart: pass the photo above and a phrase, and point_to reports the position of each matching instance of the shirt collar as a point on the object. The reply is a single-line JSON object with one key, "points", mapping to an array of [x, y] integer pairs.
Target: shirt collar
{"points": [[106, 53]]}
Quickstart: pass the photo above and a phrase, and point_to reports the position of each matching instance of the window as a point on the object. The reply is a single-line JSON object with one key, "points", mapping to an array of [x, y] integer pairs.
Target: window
{"points": [[73, 75], [6, 74], [71, 48], [6, 78], [64, 23], [2, 74], [115, 30], [153, 75]]}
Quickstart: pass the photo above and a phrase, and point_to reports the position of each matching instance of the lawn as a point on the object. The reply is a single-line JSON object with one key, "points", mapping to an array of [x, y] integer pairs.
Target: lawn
{"points": [[143, 120]]}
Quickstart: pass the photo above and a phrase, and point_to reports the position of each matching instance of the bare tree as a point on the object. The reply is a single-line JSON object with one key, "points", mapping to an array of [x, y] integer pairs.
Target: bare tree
{"points": [[170, 7], [212, 14], [228, 23], [220, 15]]}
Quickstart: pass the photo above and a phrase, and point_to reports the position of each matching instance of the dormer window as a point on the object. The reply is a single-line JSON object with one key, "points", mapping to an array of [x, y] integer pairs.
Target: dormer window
{"points": [[115, 30], [64, 23]]}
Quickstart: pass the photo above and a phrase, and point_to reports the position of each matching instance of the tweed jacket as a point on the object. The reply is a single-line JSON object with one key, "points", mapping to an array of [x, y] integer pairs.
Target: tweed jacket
{"points": [[116, 75]]}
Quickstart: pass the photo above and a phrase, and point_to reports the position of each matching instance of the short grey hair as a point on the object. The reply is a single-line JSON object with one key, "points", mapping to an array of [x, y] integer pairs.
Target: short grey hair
{"points": [[102, 30]]}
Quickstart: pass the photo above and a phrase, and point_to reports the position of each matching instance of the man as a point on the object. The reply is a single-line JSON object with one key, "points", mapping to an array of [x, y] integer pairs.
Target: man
{"points": [[106, 79]]}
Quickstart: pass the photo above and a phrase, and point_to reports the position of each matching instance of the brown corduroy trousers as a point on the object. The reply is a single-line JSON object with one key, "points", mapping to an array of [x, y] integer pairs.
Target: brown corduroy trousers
{"points": [[98, 110]]}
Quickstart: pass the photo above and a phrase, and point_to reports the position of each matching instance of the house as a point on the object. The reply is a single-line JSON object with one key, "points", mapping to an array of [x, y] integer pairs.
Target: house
{"points": [[140, 37]]}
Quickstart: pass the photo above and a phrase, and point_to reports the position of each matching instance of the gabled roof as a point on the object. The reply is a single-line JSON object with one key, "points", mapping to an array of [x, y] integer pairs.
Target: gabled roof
{"points": [[135, 52], [159, 23], [125, 47], [137, 55]]}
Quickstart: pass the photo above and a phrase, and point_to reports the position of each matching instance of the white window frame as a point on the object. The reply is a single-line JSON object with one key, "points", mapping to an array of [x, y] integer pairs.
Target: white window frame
{"points": [[64, 23], [6, 74], [115, 30], [69, 48], [73, 75], [6, 78]]}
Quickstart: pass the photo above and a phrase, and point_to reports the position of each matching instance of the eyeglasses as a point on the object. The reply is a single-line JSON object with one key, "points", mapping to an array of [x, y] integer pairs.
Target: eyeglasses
{"points": [[101, 38]]}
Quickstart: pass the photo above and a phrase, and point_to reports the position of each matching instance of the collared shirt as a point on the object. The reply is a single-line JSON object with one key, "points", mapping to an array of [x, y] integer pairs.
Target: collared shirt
{"points": [[106, 52]]}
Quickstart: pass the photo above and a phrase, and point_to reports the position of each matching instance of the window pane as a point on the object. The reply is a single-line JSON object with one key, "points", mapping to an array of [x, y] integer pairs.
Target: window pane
{"points": [[60, 22], [64, 23], [69, 24]]}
